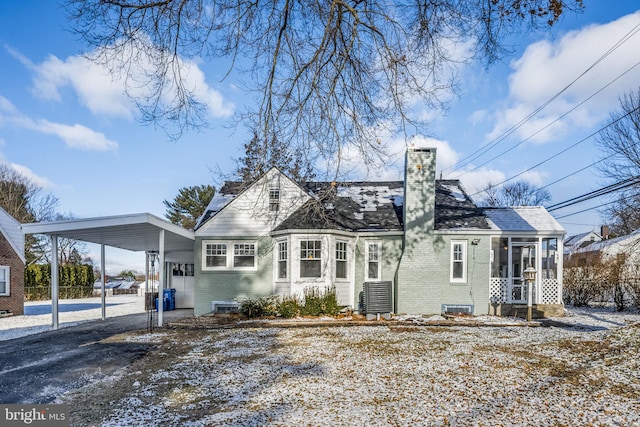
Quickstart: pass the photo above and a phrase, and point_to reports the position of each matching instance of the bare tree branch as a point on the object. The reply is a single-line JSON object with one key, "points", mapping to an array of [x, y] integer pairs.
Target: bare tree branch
{"points": [[329, 76]]}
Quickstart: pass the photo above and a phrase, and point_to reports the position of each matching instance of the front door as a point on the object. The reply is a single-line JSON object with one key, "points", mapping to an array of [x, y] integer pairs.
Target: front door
{"points": [[522, 256]]}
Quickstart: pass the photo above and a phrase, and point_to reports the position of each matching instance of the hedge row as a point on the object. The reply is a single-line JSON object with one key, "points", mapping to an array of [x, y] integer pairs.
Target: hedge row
{"points": [[74, 281]]}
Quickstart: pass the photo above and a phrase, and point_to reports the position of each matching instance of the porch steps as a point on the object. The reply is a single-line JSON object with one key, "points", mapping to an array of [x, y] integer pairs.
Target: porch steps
{"points": [[518, 310]]}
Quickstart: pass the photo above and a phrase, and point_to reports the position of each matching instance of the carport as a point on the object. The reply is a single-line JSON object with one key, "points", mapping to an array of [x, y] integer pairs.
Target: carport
{"points": [[134, 232]]}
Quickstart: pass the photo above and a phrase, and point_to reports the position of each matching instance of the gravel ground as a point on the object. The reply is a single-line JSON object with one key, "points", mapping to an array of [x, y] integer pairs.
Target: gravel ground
{"points": [[584, 370]]}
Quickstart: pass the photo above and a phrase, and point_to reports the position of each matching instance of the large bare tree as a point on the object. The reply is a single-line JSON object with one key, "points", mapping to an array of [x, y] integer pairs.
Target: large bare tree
{"points": [[26, 201], [329, 76], [518, 193], [619, 142]]}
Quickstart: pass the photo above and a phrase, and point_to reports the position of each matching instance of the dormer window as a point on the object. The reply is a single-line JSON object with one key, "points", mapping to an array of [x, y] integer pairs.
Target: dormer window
{"points": [[274, 199]]}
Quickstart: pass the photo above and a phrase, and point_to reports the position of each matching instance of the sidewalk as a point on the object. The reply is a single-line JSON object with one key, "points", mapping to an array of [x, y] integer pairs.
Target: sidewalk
{"points": [[71, 312]]}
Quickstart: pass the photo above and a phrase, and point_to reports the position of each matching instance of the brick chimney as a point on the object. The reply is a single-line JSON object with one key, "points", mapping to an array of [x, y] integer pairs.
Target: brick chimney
{"points": [[418, 254], [604, 232]]}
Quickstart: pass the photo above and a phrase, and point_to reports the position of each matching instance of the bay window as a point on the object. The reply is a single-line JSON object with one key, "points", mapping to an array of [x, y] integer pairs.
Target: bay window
{"points": [[341, 260], [310, 258]]}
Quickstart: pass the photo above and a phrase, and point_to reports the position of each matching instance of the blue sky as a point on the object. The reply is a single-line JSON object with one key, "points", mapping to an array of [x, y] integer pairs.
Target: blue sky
{"points": [[65, 123]]}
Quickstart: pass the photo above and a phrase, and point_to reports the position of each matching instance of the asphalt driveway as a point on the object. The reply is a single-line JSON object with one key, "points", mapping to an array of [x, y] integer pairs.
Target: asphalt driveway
{"points": [[38, 368]]}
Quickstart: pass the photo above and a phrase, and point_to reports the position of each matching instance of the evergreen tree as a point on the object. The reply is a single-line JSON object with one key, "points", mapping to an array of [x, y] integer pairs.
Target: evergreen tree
{"points": [[188, 205], [261, 155]]}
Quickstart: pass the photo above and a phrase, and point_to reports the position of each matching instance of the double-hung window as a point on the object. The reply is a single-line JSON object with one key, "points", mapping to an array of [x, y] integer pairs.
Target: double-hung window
{"points": [[341, 260], [4, 281], [458, 261], [310, 258], [244, 255], [283, 256], [274, 199], [215, 255], [229, 255], [373, 257]]}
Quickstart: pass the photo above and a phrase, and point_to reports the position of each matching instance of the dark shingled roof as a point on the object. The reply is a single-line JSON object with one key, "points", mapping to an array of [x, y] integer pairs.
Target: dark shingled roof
{"points": [[367, 206], [353, 206], [377, 206], [455, 209]]}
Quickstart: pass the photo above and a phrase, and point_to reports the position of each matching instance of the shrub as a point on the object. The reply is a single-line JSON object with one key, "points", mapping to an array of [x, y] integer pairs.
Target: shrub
{"points": [[317, 302], [584, 284], [260, 307], [289, 307], [312, 302]]}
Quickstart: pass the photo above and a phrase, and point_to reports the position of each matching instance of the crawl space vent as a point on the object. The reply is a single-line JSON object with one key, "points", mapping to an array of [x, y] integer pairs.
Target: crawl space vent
{"points": [[457, 309]]}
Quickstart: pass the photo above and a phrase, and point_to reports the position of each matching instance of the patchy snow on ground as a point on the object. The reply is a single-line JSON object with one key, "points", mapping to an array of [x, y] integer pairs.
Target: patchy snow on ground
{"points": [[583, 370], [117, 305]]}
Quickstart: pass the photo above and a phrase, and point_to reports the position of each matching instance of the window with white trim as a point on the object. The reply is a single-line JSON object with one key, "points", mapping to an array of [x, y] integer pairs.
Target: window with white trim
{"points": [[216, 255], [373, 256], [458, 261], [274, 199], [228, 255], [283, 256], [244, 255], [341, 260], [4, 281], [310, 258]]}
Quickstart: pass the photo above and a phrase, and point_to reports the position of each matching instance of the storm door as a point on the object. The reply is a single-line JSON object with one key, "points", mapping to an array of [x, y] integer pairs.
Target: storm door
{"points": [[523, 255]]}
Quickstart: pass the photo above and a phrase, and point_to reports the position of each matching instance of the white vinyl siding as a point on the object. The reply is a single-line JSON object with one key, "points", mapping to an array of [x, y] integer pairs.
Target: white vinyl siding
{"points": [[228, 255], [458, 261]]}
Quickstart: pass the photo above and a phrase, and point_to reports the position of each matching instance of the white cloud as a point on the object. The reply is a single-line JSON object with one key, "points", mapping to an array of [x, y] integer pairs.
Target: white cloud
{"points": [[94, 86], [6, 107], [40, 181], [546, 67], [78, 136], [105, 93], [74, 136]]}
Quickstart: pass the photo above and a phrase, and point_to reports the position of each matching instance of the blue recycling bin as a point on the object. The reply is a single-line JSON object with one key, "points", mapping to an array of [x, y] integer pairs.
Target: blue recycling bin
{"points": [[170, 299], [165, 304]]}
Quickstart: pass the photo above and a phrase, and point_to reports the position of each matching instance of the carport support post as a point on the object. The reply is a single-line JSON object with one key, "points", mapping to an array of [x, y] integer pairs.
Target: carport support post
{"points": [[160, 277], [54, 281], [103, 285]]}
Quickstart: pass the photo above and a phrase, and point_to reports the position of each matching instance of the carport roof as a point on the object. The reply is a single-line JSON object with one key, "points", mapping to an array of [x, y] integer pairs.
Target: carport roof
{"points": [[134, 232]]}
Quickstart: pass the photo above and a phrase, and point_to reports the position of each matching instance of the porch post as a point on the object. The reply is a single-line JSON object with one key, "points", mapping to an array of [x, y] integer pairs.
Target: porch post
{"points": [[54, 282], [160, 276], [146, 273], [103, 285], [560, 267]]}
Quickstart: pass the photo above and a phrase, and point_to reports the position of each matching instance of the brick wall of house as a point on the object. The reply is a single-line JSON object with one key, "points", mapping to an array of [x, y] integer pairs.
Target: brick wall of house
{"points": [[15, 301]]}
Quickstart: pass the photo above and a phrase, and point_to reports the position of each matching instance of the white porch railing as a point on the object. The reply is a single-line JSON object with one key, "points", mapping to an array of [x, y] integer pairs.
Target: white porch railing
{"points": [[549, 291]]}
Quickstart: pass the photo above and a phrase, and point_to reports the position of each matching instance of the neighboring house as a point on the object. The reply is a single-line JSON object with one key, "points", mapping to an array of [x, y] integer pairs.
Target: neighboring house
{"points": [[625, 248], [11, 265], [424, 238], [576, 242]]}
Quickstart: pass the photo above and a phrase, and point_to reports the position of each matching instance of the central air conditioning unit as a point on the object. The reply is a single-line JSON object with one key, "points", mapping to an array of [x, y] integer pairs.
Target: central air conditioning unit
{"points": [[378, 300]]}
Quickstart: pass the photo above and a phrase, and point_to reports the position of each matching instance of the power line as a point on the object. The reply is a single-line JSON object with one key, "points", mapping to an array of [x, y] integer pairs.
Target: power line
{"points": [[468, 159], [548, 125], [620, 185], [584, 210], [563, 151]]}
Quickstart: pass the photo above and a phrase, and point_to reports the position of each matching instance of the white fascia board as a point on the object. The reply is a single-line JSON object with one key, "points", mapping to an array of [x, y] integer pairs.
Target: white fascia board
{"points": [[104, 222]]}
